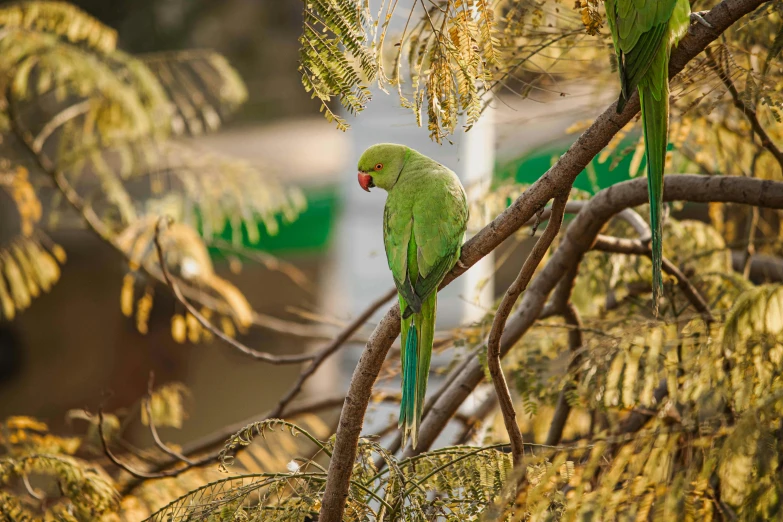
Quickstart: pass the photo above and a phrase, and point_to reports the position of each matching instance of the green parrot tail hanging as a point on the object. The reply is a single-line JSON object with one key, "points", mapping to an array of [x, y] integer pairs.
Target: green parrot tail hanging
{"points": [[418, 332], [643, 35], [655, 116]]}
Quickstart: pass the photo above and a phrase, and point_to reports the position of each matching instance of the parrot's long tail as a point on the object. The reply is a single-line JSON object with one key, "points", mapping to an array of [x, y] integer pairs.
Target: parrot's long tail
{"points": [[655, 117], [418, 332]]}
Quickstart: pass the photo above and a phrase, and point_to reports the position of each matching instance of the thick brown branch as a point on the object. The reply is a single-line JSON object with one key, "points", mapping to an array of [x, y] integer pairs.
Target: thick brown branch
{"points": [[499, 323], [559, 178], [577, 240]]}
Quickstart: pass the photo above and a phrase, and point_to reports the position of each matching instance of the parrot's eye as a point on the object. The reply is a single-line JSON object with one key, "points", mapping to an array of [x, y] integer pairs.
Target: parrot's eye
{"points": [[379, 166]]}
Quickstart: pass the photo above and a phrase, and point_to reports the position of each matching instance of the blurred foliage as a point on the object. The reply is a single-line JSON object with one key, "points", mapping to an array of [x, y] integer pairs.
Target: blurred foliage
{"points": [[88, 127], [55, 478]]}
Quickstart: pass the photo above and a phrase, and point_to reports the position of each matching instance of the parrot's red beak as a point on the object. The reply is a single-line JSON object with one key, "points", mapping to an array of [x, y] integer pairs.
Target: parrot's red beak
{"points": [[365, 181]]}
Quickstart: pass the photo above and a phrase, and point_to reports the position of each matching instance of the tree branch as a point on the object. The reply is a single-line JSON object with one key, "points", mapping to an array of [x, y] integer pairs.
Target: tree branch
{"points": [[254, 354], [578, 239], [559, 178], [629, 246], [280, 410], [144, 475], [499, 323], [154, 431], [749, 112]]}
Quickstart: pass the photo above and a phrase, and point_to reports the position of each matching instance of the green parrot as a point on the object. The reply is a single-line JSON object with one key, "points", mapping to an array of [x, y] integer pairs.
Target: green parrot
{"points": [[424, 225], [644, 32]]}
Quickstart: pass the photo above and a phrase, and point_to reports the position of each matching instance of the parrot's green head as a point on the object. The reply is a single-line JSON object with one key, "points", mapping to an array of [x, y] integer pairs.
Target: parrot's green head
{"points": [[381, 165]]}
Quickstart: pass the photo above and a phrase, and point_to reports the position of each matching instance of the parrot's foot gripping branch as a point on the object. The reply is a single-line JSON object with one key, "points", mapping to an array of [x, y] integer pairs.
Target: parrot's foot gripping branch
{"points": [[699, 18]]}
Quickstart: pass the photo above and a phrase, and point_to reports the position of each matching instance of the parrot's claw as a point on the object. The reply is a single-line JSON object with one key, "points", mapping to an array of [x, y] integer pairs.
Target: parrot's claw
{"points": [[699, 18], [462, 265]]}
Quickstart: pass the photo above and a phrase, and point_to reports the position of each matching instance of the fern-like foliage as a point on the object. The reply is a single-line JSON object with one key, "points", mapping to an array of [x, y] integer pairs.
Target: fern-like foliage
{"points": [[99, 124], [30, 261], [449, 58], [46, 477], [331, 28]]}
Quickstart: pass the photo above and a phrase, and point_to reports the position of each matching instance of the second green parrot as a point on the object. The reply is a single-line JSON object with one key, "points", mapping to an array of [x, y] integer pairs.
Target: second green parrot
{"points": [[424, 225], [644, 32]]}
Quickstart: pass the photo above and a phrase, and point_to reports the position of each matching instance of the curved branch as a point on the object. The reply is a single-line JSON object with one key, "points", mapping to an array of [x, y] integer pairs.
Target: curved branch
{"points": [[174, 287], [749, 112], [628, 246], [579, 239], [559, 178], [499, 323], [154, 431]]}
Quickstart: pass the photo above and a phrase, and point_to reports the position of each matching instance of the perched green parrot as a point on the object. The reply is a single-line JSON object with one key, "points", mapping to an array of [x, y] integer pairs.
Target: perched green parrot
{"points": [[644, 32], [424, 225]]}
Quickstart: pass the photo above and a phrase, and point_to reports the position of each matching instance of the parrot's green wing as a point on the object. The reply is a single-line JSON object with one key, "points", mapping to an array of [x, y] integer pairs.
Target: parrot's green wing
{"points": [[639, 28], [423, 239]]}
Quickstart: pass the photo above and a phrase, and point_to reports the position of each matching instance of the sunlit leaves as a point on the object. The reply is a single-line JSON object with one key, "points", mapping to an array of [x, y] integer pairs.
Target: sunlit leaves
{"points": [[330, 26], [30, 261], [101, 121]]}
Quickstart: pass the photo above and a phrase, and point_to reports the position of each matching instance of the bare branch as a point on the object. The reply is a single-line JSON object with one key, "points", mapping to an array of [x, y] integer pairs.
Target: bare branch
{"points": [[330, 349], [749, 112], [154, 431], [499, 323], [629, 246], [255, 354], [282, 409], [122, 465]]}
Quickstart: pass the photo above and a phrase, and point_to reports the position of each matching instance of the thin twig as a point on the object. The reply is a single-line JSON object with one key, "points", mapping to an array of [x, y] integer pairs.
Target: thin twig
{"points": [[630, 246], [499, 324], [328, 350], [122, 465], [282, 408], [255, 354], [154, 431], [217, 438], [749, 112]]}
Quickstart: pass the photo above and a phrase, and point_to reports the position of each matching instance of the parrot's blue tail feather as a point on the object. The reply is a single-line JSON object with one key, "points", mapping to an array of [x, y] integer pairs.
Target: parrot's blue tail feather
{"points": [[408, 402]]}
